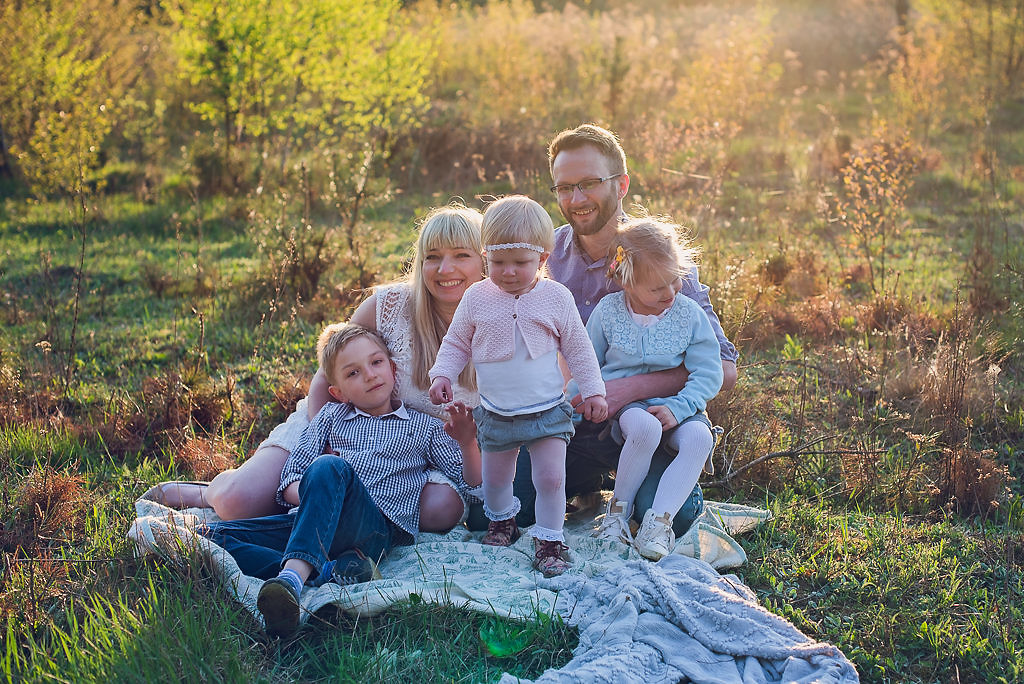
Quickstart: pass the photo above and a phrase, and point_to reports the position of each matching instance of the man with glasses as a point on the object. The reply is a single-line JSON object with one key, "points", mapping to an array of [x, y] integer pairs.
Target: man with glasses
{"points": [[590, 179]]}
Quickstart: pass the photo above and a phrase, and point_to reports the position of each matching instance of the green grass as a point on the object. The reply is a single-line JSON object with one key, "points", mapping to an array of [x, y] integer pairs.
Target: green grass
{"points": [[910, 597], [166, 627]]}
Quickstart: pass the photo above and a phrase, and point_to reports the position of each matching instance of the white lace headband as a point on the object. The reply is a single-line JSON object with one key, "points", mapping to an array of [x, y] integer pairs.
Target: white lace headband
{"points": [[515, 245]]}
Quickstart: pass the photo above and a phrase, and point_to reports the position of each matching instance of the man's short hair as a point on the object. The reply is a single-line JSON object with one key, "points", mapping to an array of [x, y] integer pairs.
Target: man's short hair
{"points": [[606, 142]]}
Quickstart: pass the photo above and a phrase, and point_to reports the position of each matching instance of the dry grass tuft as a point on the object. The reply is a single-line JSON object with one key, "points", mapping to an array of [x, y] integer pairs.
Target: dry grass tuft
{"points": [[20, 405], [174, 401], [121, 433], [48, 507], [31, 583], [776, 268], [806, 278], [205, 457], [165, 401], [885, 313], [975, 484], [823, 318], [751, 429], [289, 390], [856, 275], [11, 393]]}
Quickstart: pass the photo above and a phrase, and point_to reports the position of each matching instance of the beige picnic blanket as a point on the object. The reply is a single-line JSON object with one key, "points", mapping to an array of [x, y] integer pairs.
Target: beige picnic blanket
{"points": [[453, 568], [649, 623]]}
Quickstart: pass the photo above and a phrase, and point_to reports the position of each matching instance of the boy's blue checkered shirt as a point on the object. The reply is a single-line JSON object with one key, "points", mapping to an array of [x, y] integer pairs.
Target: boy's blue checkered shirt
{"points": [[389, 453]]}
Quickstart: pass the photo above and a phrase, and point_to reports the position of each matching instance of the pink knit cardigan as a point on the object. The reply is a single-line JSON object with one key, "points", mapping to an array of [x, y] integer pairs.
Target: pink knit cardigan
{"points": [[483, 330]]}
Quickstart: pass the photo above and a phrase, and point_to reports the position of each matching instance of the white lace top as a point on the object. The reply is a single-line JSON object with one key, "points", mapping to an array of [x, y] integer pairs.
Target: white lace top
{"points": [[395, 325]]}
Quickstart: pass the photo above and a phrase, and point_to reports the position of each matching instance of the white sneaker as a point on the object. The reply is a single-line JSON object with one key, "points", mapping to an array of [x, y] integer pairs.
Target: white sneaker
{"points": [[655, 540], [615, 524]]}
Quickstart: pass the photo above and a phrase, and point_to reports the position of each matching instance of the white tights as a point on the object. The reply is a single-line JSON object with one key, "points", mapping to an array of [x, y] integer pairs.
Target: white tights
{"points": [[692, 443], [547, 462]]}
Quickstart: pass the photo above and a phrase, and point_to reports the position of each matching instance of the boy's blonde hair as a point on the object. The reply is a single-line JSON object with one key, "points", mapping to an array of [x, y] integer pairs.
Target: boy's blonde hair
{"points": [[335, 337], [606, 142], [647, 247], [518, 219], [454, 225]]}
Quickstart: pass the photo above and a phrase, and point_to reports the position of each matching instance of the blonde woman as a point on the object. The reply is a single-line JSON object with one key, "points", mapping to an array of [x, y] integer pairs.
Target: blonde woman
{"points": [[412, 316]]}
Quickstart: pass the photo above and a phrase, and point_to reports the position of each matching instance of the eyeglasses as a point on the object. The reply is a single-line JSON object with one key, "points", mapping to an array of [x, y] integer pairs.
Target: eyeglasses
{"points": [[585, 186]]}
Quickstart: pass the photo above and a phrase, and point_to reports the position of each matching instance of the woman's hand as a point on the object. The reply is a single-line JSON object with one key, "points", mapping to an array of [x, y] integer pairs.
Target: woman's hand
{"points": [[441, 390], [595, 409]]}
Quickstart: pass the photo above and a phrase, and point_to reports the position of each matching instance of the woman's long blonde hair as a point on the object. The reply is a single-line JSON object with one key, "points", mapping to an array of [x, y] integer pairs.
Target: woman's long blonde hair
{"points": [[454, 225]]}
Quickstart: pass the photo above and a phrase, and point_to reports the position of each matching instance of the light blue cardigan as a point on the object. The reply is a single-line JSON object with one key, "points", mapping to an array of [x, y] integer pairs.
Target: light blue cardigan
{"points": [[684, 336]]}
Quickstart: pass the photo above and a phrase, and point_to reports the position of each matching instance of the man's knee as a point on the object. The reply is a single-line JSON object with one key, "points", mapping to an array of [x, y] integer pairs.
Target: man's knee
{"points": [[690, 511], [589, 460]]}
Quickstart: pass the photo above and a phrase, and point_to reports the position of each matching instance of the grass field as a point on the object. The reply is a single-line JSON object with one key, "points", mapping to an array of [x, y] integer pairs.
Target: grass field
{"points": [[861, 217]]}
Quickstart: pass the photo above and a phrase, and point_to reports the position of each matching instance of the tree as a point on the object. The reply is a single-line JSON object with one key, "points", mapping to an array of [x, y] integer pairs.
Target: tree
{"points": [[63, 75], [289, 71]]}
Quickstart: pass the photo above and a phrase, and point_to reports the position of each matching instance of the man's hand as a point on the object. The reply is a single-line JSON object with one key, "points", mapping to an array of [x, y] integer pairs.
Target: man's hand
{"points": [[460, 425], [621, 391], [728, 375], [664, 416], [441, 390], [594, 409]]}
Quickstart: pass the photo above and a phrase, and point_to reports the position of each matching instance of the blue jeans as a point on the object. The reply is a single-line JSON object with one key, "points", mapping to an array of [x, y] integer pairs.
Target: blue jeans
{"points": [[589, 460], [336, 518]]}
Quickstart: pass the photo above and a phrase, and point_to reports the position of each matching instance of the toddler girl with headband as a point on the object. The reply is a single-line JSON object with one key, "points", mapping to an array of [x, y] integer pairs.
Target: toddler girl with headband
{"points": [[512, 326]]}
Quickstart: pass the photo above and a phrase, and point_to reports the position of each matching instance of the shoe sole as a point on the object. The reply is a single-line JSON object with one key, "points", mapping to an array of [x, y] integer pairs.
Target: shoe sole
{"points": [[654, 555], [279, 608], [552, 572]]}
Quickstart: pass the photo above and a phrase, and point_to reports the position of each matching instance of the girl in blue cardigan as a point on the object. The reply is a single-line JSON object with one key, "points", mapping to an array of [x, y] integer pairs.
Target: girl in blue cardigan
{"points": [[650, 326]]}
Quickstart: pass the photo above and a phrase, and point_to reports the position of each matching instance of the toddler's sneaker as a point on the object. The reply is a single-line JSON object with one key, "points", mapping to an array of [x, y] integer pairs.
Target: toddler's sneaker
{"points": [[615, 524], [655, 539], [501, 533], [550, 557], [279, 605]]}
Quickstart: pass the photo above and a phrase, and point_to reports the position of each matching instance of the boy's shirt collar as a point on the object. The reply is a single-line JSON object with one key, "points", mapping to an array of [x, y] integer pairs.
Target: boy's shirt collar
{"points": [[399, 412]]}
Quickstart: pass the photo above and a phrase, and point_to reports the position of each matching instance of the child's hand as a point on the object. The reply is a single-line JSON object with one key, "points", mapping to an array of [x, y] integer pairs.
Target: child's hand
{"points": [[460, 426], [664, 416], [291, 493], [595, 409], [441, 390]]}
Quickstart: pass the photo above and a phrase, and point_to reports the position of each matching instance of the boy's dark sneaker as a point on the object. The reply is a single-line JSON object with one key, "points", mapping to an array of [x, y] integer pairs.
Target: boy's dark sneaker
{"points": [[279, 605], [353, 567], [501, 533]]}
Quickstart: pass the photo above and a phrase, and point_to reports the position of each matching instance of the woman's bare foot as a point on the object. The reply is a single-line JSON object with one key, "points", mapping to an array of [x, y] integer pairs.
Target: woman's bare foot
{"points": [[178, 494]]}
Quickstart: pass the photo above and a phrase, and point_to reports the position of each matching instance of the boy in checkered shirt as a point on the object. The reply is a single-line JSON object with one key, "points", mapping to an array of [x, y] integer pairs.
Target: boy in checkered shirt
{"points": [[355, 478]]}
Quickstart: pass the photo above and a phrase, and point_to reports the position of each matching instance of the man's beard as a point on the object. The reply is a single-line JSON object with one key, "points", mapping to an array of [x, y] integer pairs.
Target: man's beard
{"points": [[606, 208]]}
